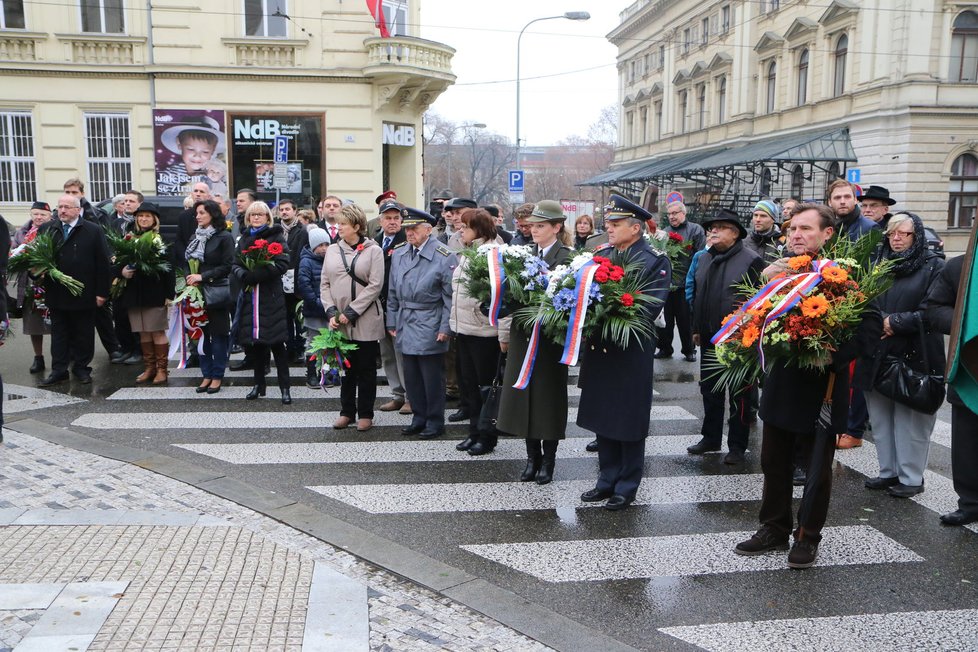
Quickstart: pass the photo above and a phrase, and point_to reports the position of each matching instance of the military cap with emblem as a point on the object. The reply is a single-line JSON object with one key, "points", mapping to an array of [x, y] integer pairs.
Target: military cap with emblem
{"points": [[620, 208], [384, 196], [458, 203], [728, 216], [547, 210], [390, 205], [415, 216]]}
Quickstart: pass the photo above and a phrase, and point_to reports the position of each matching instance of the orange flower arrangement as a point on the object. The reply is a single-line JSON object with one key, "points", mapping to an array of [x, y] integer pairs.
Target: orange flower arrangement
{"points": [[814, 306], [799, 262], [835, 275], [751, 333]]}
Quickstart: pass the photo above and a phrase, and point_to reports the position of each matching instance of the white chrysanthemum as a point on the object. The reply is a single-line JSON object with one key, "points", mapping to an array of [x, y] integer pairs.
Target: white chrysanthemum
{"points": [[484, 249], [580, 260], [518, 251]]}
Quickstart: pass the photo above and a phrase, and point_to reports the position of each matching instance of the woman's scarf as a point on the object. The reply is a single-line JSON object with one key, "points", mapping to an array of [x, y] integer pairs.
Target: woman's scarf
{"points": [[196, 247], [255, 230], [907, 262]]}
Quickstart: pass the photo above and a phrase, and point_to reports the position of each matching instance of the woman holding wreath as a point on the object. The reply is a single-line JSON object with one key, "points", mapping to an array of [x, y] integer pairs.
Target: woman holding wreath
{"points": [[353, 276], [263, 328], [213, 246]]}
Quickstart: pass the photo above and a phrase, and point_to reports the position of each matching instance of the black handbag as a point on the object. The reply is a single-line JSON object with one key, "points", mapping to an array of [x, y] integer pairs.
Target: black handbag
{"points": [[217, 295], [491, 395], [922, 391]]}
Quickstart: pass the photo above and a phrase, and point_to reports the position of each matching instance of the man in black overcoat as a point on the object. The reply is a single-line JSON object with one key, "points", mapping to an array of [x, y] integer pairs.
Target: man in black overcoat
{"points": [[84, 255], [790, 405], [616, 383]]}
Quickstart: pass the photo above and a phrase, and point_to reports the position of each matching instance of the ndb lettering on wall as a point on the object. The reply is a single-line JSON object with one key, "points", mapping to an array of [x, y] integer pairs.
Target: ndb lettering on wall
{"points": [[400, 135], [189, 147]]}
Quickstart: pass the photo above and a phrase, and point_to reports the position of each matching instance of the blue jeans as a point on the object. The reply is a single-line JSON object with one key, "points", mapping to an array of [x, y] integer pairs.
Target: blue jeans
{"points": [[214, 360]]}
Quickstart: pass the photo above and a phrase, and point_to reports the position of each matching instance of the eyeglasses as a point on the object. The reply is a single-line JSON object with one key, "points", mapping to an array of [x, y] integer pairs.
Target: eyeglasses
{"points": [[259, 215], [64, 207], [901, 234]]}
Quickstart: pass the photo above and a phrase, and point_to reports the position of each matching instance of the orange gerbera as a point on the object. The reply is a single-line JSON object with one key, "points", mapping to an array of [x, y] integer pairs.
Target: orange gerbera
{"points": [[799, 262], [835, 275], [814, 306], [750, 335]]}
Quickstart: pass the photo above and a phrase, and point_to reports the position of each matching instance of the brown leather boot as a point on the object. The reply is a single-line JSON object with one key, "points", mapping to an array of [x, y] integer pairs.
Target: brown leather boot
{"points": [[149, 362], [161, 361]]}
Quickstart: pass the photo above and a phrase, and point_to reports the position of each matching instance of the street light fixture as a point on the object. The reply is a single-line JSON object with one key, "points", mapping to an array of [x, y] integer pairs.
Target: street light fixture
{"points": [[570, 15]]}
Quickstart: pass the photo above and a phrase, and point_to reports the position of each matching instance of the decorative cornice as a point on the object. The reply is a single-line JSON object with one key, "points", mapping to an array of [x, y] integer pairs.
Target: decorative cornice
{"points": [[80, 37], [768, 40], [800, 27], [720, 60], [838, 10]]}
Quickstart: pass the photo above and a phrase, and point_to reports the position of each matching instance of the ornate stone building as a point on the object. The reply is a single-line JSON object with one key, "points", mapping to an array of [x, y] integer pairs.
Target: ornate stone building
{"points": [[105, 90], [731, 100]]}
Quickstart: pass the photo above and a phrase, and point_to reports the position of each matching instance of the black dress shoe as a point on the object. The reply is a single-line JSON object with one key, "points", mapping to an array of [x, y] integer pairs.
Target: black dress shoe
{"points": [[690, 357], [702, 446], [431, 434], [241, 365], [618, 502], [799, 477], [662, 355], [255, 392], [38, 365], [53, 380], [84, 377], [236, 349], [592, 446], [905, 490], [213, 389], [459, 415], [595, 495], [466, 443], [959, 517], [118, 357], [881, 483], [733, 457], [286, 396], [412, 430], [202, 389], [482, 447]]}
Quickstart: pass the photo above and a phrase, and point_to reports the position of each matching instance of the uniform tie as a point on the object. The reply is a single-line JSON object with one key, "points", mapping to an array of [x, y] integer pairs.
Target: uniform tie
{"points": [[387, 241]]}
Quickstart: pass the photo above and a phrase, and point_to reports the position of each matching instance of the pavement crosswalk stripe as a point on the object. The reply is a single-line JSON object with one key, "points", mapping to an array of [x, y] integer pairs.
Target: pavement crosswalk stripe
{"points": [[909, 630], [942, 433], [681, 555], [238, 392], [437, 450], [504, 496], [269, 419], [194, 372]]}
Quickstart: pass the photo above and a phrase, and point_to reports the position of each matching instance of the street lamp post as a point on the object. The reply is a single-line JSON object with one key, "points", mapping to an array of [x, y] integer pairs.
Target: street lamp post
{"points": [[570, 15], [451, 142]]}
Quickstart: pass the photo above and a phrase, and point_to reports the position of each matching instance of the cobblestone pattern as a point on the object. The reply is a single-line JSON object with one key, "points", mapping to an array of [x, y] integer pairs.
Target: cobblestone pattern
{"points": [[14, 626], [403, 616]]}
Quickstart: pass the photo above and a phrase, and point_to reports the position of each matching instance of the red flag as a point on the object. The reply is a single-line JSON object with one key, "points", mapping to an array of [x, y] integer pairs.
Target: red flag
{"points": [[377, 11]]}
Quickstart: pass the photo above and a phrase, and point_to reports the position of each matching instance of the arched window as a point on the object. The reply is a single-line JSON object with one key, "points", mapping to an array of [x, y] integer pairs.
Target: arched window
{"points": [[797, 181], [683, 107], [803, 77], [839, 78], [963, 195], [772, 85], [964, 48], [765, 188], [701, 105], [722, 100]]}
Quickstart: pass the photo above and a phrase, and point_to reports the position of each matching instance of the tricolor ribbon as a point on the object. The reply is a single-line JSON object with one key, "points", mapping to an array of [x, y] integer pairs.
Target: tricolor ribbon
{"points": [[497, 281], [584, 278], [254, 314], [176, 333], [526, 371]]}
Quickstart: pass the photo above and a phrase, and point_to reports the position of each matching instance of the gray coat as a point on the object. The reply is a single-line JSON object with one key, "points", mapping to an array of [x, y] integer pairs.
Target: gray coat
{"points": [[419, 300]]}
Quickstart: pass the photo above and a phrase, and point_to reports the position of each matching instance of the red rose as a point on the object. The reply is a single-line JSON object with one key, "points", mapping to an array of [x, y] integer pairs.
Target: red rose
{"points": [[689, 246], [675, 236], [275, 248], [617, 274], [601, 276], [601, 260], [627, 299], [260, 244]]}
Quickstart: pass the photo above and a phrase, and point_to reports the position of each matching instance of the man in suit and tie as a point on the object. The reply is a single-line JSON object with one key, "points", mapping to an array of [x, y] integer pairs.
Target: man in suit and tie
{"points": [[84, 255], [390, 239], [329, 208]]}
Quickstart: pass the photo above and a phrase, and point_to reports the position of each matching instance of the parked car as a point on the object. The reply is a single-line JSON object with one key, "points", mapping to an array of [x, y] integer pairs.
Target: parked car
{"points": [[934, 242], [170, 209]]}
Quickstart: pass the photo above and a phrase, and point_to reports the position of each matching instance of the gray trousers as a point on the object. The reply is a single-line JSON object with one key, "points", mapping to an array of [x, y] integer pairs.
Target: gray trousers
{"points": [[393, 366], [902, 438]]}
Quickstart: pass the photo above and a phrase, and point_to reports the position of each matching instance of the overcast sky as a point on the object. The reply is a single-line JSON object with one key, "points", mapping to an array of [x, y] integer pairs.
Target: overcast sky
{"points": [[572, 60]]}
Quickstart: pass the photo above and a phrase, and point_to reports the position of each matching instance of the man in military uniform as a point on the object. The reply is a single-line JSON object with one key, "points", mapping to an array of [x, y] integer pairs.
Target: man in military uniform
{"points": [[419, 303], [616, 383]]}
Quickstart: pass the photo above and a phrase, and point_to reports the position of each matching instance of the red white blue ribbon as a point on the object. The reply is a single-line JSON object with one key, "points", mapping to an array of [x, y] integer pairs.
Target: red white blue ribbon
{"points": [[497, 280], [739, 318], [526, 371], [254, 314], [575, 322]]}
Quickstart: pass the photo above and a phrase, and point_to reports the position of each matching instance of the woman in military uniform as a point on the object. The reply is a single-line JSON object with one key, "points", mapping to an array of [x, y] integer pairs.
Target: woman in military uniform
{"points": [[539, 412]]}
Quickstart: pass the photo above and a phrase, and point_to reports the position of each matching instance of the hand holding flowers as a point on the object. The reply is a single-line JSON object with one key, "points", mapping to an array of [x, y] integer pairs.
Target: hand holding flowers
{"points": [[39, 257]]}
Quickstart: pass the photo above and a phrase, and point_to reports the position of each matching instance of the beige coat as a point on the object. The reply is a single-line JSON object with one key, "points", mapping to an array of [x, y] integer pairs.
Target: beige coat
{"points": [[466, 317], [337, 287]]}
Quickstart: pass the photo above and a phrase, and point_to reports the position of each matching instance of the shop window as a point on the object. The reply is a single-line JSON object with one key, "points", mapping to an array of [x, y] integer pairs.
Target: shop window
{"points": [[18, 173], [109, 155], [803, 77], [12, 14], [265, 18], [964, 48], [102, 16], [963, 193], [840, 55]]}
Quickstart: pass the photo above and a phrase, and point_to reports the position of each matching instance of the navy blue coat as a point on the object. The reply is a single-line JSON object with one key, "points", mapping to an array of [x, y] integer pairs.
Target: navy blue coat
{"points": [[263, 322], [307, 282], [616, 384]]}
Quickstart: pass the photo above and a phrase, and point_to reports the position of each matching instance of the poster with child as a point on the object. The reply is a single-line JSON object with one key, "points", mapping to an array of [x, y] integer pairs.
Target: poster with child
{"points": [[190, 147]]}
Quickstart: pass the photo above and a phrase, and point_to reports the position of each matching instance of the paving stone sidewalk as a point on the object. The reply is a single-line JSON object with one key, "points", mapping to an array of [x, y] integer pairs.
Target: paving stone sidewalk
{"points": [[99, 553]]}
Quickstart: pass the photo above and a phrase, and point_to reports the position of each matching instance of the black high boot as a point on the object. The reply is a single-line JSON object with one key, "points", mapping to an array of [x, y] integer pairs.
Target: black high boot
{"points": [[258, 371], [546, 472], [534, 457], [312, 378]]}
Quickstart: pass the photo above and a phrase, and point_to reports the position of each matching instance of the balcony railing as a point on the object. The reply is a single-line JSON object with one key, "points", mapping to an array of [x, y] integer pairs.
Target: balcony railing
{"points": [[405, 54], [103, 49], [264, 52], [19, 46]]}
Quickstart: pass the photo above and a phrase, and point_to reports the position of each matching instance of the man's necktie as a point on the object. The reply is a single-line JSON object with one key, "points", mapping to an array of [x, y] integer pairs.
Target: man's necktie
{"points": [[387, 241], [332, 233], [66, 229]]}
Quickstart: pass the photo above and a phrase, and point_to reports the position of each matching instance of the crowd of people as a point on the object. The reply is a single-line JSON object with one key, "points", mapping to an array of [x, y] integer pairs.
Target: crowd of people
{"points": [[393, 285]]}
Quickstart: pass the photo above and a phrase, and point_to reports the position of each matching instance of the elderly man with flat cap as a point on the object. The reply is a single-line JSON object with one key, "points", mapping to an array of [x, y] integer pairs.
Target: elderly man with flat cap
{"points": [[453, 226], [616, 383], [875, 203], [419, 303], [727, 263]]}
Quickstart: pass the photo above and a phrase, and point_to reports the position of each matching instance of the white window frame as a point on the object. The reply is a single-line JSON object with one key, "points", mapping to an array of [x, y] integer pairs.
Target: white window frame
{"points": [[399, 9], [3, 15], [101, 7], [17, 173], [803, 68], [112, 182], [268, 8], [705, 31], [725, 16]]}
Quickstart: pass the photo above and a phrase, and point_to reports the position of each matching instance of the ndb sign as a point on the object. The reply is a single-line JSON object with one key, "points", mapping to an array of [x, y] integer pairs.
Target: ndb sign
{"points": [[401, 135]]}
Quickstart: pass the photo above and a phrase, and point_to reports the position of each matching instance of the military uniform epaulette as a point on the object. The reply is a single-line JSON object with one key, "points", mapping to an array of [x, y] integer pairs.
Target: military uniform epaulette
{"points": [[399, 244], [606, 245], [443, 250]]}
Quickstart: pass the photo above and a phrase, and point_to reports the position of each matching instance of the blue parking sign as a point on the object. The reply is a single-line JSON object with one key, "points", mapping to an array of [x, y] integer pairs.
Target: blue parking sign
{"points": [[516, 180], [281, 149]]}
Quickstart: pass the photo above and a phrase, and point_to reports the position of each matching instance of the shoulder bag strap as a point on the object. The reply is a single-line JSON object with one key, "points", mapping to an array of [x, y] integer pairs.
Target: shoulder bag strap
{"points": [[349, 270]]}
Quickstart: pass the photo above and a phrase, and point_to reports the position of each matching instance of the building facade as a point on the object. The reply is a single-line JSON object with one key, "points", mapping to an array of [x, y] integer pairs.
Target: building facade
{"points": [[149, 95], [731, 100]]}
